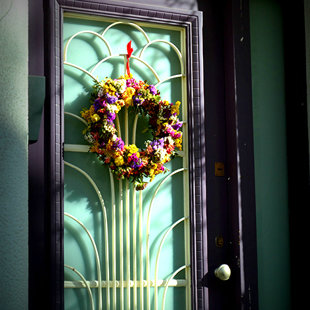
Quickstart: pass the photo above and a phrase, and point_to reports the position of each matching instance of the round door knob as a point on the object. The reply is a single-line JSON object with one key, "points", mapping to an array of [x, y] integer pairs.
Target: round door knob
{"points": [[223, 272]]}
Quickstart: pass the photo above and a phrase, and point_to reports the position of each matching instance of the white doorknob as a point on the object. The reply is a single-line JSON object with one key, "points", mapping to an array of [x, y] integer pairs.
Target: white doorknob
{"points": [[223, 272]]}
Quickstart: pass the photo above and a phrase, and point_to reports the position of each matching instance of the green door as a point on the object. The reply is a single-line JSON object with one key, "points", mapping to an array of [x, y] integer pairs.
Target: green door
{"points": [[123, 248]]}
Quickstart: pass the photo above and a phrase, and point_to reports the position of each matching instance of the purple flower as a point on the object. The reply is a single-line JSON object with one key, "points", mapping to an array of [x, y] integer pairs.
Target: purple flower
{"points": [[156, 144], [136, 101], [118, 144], [98, 104], [135, 161], [111, 116], [111, 99], [177, 126], [153, 90]]}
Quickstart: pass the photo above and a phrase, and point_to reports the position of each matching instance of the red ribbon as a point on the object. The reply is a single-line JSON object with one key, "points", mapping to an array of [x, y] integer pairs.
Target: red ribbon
{"points": [[129, 52]]}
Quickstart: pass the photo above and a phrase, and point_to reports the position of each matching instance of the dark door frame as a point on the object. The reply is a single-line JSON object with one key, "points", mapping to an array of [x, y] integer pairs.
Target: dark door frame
{"points": [[229, 139], [240, 144], [191, 22]]}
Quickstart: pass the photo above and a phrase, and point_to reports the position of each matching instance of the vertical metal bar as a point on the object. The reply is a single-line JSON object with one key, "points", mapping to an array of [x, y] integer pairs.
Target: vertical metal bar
{"points": [[127, 209], [121, 198], [147, 269], [185, 175], [121, 254], [134, 225], [141, 250], [127, 243], [134, 127], [134, 248], [187, 247], [113, 239], [107, 258], [118, 127]]}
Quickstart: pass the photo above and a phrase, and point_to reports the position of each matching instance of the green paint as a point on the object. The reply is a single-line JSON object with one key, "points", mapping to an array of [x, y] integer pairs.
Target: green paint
{"points": [[36, 91], [14, 154], [267, 58]]}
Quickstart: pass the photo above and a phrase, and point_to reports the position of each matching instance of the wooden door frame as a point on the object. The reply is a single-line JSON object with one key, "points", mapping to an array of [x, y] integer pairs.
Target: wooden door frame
{"points": [[239, 120], [228, 97], [191, 22]]}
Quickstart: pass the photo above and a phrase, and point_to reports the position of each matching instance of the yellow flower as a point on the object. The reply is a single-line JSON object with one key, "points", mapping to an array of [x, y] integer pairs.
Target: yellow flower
{"points": [[132, 148], [175, 108], [87, 114], [178, 143], [166, 102], [109, 88], [119, 160], [128, 102], [129, 92], [151, 172], [120, 103], [109, 144], [95, 118]]}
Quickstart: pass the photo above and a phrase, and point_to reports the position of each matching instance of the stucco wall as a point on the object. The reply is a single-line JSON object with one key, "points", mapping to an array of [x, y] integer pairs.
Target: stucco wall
{"points": [[268, 84], [13, 154]]}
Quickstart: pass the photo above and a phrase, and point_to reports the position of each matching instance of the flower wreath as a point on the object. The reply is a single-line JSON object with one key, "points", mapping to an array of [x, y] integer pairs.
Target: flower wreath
{"points": [[128, 161]]}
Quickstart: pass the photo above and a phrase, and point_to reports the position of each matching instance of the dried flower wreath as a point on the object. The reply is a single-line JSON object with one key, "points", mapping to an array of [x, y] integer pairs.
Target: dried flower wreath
{"points": [[128, 161]]}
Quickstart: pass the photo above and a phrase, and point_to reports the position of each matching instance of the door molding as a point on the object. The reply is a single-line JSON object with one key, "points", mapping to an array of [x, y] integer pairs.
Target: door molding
{"points": [[192, 23], [240, 153]]}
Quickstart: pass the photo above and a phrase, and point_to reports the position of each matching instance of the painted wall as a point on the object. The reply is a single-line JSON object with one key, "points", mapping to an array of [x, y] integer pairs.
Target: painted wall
{"points": [[13, 154], [270, 154]]}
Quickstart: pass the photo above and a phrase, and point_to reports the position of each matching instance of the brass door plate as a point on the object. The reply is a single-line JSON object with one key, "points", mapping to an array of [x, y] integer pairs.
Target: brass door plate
{"points": [[219, 241], [219, 169]]}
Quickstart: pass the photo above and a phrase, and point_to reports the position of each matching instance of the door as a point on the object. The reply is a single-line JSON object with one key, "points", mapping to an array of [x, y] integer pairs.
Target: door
{"points": [[115, 246], [125, 247]]}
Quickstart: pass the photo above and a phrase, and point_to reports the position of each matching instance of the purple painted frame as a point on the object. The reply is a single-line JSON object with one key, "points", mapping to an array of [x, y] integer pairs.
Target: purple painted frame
{"points": [[192, 22]]}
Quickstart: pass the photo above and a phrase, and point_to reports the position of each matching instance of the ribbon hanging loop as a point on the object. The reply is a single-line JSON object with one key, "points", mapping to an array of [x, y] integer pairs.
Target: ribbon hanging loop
{"points": [[129, 52]]}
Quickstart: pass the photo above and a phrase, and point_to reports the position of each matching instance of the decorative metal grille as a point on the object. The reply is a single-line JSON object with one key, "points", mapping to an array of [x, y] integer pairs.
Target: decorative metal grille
{"points": [[129, 211]]}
